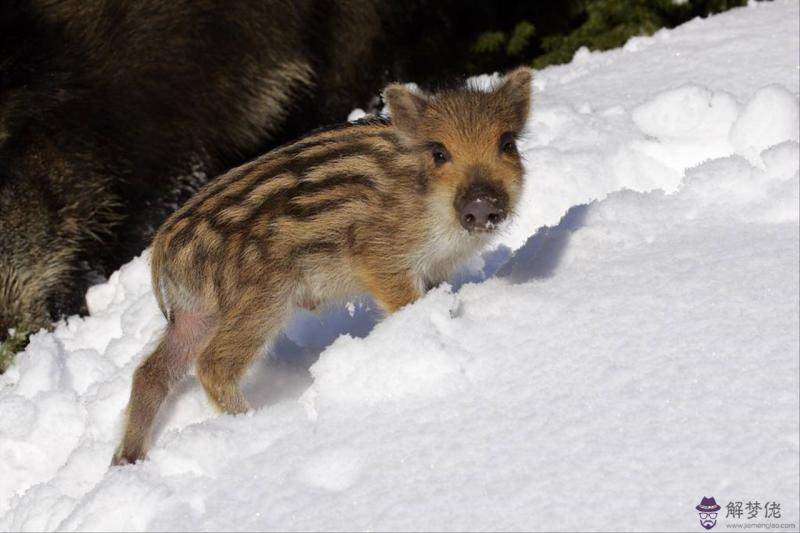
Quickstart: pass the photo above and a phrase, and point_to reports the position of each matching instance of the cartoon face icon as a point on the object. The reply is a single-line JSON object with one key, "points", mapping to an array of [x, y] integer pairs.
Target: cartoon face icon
{"points": [[708, 520], [708, 512]]}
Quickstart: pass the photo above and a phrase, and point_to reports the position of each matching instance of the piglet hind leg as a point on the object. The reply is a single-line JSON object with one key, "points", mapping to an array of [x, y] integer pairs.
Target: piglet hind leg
{"points": [[241, 336], [185, 336]]}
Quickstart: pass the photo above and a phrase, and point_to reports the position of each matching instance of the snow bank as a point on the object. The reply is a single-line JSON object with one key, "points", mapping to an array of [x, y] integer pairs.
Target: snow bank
{"points": [[637, 351]]}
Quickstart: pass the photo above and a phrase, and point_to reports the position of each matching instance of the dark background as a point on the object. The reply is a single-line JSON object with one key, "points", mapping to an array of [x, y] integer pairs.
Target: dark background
{"points": [[457, 38]]}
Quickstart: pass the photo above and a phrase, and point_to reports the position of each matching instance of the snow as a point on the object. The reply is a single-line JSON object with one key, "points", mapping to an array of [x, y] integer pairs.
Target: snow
{"points": [[752, 133], [629, 346]]}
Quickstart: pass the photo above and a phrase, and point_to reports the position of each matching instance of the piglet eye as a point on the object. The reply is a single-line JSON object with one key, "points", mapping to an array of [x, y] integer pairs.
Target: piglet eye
{"points": [[439, 153], [508, 145]]}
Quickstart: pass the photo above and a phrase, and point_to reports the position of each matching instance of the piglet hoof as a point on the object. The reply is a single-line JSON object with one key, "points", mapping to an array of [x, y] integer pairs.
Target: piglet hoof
{"points": [[122, 457]]}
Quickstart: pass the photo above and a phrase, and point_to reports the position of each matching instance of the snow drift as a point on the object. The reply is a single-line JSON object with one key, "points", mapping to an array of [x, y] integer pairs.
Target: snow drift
{"points": [[630, 345]]}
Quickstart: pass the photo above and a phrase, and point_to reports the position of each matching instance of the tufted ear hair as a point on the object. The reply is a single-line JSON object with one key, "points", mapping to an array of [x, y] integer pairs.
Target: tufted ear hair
{"points": [[514, 93], [405, 108]]}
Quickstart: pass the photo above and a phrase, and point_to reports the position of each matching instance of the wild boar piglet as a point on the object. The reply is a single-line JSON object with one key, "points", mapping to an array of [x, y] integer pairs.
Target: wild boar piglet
{"points": [[388, 207]]}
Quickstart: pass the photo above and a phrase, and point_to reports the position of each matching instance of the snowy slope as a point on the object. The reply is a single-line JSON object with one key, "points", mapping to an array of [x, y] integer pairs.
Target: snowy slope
{"points": [[634, 355]]}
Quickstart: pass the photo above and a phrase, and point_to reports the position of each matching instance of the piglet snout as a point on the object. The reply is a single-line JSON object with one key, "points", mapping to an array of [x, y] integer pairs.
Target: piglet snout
{"points": [[481, 213]]}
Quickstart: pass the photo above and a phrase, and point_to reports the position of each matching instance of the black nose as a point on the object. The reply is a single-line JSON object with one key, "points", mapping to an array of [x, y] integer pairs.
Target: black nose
{"points": [[481, 213]]}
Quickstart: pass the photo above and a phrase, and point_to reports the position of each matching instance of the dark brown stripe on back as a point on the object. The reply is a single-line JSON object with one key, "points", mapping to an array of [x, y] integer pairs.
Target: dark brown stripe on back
{"points": [[280, 200], [360, 136], [326, 205], [211, 189], [310, 248], [301, 164]]}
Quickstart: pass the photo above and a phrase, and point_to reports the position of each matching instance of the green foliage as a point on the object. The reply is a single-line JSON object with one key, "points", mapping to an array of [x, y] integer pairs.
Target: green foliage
{"points": [[9, 347], [489, 42], [609, 24], [529, 37], [521, 38], [493, 46]]}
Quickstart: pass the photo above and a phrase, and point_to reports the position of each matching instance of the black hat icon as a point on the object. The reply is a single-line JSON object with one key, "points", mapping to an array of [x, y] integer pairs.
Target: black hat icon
{"points": [[708, 505]]}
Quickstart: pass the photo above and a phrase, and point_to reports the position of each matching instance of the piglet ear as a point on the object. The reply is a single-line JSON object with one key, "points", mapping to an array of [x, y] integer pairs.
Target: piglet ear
{"points": [[514, 94], [405, 107]]}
